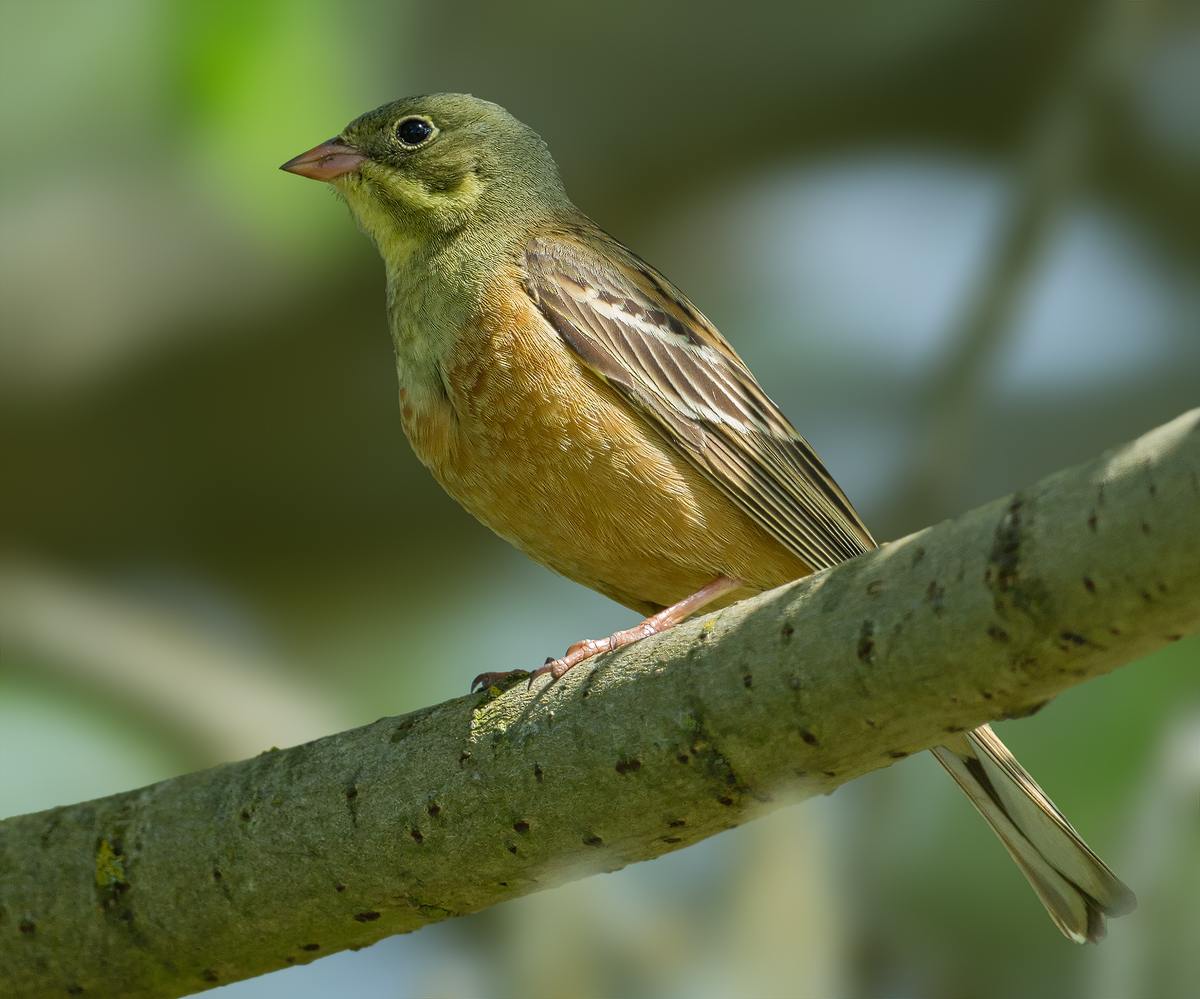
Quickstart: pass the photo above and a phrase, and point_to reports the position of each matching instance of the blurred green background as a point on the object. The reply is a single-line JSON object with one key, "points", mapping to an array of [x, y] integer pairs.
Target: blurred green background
{"points": [[957, 242]]}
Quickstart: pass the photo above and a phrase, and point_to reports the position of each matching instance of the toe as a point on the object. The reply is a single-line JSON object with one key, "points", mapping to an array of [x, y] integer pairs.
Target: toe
{"points": [[485, 680]]}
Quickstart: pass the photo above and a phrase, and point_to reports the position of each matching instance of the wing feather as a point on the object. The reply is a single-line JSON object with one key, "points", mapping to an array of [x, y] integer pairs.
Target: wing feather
{"points": [[631, 327]]}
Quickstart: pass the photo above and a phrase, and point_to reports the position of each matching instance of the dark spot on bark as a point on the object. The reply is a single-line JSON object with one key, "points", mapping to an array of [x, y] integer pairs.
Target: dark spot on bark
{"points": [[433, 811], [463, 759], [997, 634], [74, 990], [787, 631], [28, 926], [1007, 581], [1072, 637], [217, 875], [987, 576], [683, 758], [747, 680], [830, 773], [416, 834], [1029, 709], [1005, 556], [626, 766], [897, 754], [366, 917], [538, 773], [1145, 594], [521, 826], [954, 728], [1145, 528], [918, 555], [1091, 522], [794, 682], [512, 849], [404, 729], [209, 975], [866, 643], [311, 947], [290, 960], [936, 597], [1174, 638], [1114, 631], [672, 839], [1089, 585], [245, 815], [725, 801], [593, 841], [986, 695], [339, 888], [1162, 587], [677, 823], [503, 884], [351, 794], [874, 588], [1153, 489], [808, 737]]}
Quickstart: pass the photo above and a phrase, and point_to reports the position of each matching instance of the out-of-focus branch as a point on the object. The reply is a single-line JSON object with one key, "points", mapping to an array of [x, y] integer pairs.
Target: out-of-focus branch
{"points": [[1047, 171], [249, 867], [215, 700]]}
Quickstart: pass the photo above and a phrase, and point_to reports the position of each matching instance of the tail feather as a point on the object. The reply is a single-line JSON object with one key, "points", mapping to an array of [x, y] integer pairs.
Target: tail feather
{"points": [[1075, 886]]}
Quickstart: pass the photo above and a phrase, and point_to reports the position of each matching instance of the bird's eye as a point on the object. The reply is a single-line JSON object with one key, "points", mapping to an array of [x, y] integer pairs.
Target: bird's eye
{"points": [[414, 131]]}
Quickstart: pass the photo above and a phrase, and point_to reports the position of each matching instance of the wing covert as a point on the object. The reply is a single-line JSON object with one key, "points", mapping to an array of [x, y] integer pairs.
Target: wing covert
{"points": [[632, 328]]}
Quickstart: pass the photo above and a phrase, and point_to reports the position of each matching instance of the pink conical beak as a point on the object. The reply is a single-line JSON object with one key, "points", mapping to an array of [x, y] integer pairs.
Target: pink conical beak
{"points": [[327, 161]]}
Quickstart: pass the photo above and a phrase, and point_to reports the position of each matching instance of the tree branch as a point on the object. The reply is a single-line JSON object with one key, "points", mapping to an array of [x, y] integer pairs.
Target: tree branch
{"points": [[250, 867]]}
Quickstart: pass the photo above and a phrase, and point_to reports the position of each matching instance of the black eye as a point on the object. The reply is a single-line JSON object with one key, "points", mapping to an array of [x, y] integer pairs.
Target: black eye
{"points": [[414, 131]]}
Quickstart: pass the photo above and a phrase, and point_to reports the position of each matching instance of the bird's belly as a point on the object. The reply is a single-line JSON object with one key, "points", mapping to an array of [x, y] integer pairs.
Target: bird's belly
{"points": [[552, 460]]}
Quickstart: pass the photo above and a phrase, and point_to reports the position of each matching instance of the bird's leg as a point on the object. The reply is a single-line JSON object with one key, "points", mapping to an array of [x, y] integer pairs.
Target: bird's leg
{"points": [[664, 619]]}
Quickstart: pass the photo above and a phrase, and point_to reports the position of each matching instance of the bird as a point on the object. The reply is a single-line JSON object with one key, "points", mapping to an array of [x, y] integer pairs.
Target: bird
{"points": [[577, 403]]}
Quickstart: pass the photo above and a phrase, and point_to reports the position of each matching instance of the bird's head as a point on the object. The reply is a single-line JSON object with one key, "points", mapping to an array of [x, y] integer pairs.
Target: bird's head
{"points": [[423, 168]]}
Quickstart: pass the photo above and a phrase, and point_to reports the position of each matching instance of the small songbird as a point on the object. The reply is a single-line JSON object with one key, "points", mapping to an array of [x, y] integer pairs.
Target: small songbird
{"points": [[571, 398]]}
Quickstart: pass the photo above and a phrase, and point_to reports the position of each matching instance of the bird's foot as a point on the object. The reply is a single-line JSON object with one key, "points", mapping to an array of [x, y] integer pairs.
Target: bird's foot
{"points": [[664, 619], [579, 652]]}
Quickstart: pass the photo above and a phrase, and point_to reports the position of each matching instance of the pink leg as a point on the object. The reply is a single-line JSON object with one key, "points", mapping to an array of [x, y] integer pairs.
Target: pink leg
{"points": [[660, 622]]}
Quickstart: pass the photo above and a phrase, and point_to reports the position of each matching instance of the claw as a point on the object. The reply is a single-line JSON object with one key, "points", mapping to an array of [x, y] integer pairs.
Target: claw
{"points": [[485, 680], [661, 621]]}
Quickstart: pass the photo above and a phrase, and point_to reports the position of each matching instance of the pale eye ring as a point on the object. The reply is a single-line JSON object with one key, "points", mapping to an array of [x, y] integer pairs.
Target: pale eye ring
{"points": [[414, 131]]}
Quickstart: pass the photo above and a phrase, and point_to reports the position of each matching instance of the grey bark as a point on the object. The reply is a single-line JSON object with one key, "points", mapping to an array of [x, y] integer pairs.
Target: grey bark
{"points": [[250, 867]]}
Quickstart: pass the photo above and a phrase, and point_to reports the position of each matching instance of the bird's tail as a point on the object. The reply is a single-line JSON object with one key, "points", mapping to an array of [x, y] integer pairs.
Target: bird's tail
{"points": [[1075, 886]]}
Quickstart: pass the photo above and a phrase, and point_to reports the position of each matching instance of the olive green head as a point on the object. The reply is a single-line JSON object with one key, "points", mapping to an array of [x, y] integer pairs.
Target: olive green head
{"points": [[425, 167]]}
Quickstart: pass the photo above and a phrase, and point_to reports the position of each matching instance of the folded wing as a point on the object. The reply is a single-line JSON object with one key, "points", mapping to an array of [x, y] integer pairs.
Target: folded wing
{"points": [[632, 328]]}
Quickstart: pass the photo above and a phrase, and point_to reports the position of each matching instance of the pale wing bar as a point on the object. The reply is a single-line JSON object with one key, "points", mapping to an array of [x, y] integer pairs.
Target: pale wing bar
{"points": [[655, 349]]}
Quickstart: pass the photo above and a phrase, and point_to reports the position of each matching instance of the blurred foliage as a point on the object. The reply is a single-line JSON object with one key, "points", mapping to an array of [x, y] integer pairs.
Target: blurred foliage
{"points": [[200, 439], [246, 80]]}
